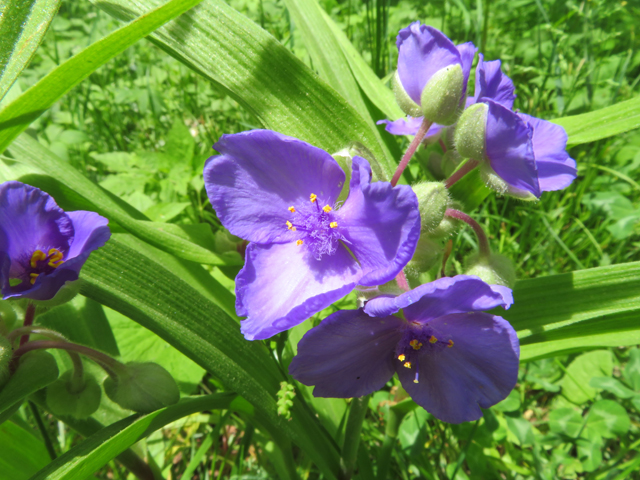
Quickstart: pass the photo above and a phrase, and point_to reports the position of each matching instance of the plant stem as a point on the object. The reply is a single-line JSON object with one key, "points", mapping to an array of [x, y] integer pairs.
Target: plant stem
{"points": [[111, 365], [357, 412], [43, 431], [413, 146], [401, 280], [483, 243], [29, 315], [463, 454], [34, 329], [393, 420], [443, 146], [461, 172]]}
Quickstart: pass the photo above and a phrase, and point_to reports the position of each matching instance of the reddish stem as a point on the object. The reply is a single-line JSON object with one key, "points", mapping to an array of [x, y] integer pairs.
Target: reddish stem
{"points": [[413, 146], [483, 243], [29, 315], [461, 172], [443, 146], [401, 280]]}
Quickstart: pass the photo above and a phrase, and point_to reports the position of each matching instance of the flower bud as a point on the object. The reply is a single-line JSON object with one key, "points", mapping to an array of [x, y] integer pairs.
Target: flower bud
{"points": [[5, 358], [405, 102], [441, 95], [494, 270], [450, 162], [142, 387], [427, 254], [225, 242], [470, 132], [497, 184], [433, 199], [8, 317], [69, 396], [449, 225], [285, 399]]}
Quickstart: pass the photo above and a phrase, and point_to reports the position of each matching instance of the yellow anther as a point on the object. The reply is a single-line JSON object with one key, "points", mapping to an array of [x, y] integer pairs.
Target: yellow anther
{"points": [[37, 256], [415, 380], [313, 197], [401, 357], [407, 364], [333, 224], [290, 226], [415, 344], [33, 278], [55, 258], [299, 242], [291, 209], [327, 208], [432, 339], [450, 343]]}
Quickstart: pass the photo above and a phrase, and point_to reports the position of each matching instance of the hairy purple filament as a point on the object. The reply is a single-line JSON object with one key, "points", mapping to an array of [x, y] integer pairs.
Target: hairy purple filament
{"points": [[418, 339]]}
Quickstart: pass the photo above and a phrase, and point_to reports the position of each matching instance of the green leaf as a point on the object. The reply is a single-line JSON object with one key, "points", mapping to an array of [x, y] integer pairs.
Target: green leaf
{"points": [[96, 451], [23, 454], [17, 116], [608, 419], [575, 383], [632, 370], [565, 421], [23, 24], [72, 186], [590, 450], [581, 310], [36, 370], [611, 385], [261, 74], [509, 404], [603, 123], [144, 290], [522, 430]]}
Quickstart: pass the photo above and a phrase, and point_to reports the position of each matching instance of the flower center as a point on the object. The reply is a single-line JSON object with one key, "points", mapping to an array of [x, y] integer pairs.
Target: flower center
{"points": [[39, 263], [418, 340], [315, 227]]}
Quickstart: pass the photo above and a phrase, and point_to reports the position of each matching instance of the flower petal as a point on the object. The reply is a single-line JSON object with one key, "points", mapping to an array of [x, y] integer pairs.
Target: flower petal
{"points": [[281, 285], [260, 174], [478, 371], [556, 170], [467, 52], [348, 355], [493, 84], [447, 295], [91, 233], [510, 149], [381, 224], [410, 126], [422, 51]]}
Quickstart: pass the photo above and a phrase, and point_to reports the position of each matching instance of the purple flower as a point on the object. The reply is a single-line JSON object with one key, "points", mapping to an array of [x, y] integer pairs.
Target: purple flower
{"points": [[306, 250], [450, 356], [492, 84], [41, 246]]}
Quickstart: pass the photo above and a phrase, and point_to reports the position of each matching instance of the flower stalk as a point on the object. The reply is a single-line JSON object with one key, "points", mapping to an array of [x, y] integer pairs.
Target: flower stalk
{"points": [[413, 146], [357, 412], [483, 242], [29, 315], [461, 172]]}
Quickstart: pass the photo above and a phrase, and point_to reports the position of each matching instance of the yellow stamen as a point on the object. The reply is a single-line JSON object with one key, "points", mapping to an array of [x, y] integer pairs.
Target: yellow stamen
{"points": [[291, 209], [415, 380], [327, 208], [33, 278], [415, 344], [333, 224], [432, 339], [55, 258], [313, 197], [299, 242], [401, 357], [37, 256], [407, 364], [450, 344], [290, 226]]}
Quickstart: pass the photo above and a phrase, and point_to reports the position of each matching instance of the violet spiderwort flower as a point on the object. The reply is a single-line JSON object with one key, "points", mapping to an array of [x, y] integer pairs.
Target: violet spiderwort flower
{"points": [[450, 356], [306, 251], [41, 246], [432, 74]]}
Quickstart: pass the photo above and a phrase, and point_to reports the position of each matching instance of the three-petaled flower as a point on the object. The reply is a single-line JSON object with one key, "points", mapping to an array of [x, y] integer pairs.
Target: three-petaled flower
{"points": [[450, 356], [306, 250], [41, 246]]}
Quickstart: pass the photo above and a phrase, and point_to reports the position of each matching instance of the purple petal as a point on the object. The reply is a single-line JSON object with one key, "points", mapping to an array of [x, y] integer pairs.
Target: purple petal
{"points": [[422, 51], [493, 84], [281, 285], [410, 126], [447, 295], [380, 224], [467, 52], [260, 174], [510, 149], [478, 371], [556, 170], [348, 355], [90, 233]]}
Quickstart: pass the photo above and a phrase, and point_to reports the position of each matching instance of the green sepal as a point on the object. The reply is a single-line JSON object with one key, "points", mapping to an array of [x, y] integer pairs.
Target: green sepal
{"points": [[440, 98], [471, 128], [405, 102], [494, 270], [433, 200]]}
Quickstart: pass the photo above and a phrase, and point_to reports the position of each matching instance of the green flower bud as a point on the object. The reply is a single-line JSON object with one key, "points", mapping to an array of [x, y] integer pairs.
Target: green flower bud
{"points": [[469, 136], [450, 162], [494, 182], [433, 199], [428, 253], [441, 96], [344, 156], [5, 358], [8, 317], [449, 225], [225, 242], [285, 399], [72, 397], [142, 387], [405, 102], [494, 270]]}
